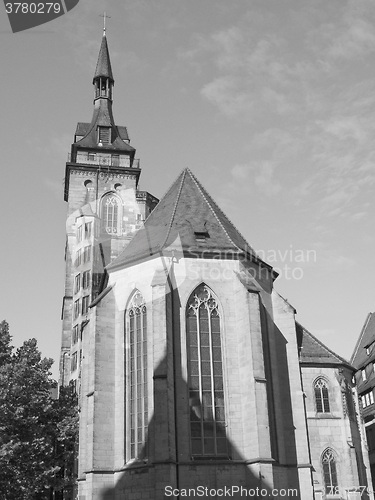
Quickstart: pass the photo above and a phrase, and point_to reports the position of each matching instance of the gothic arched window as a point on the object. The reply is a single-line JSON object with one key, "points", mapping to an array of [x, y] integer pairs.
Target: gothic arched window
{"points": [[321, 396], [111, 214], [329, 472], [205, 375], [137, 408]]}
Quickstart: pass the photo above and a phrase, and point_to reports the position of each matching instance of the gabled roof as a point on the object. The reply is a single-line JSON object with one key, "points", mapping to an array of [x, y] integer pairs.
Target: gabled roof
{"points": [[313, 352], [103, 66], [360, 358], [188, 217]]}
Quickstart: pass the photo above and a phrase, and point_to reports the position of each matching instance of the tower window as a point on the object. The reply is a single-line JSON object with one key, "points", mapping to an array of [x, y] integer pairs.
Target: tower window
{"points": [[103, 87], [77, 283], [86, 279], [364, 376], [76, 309], [321, 396], [79, 234], [110, 214], [329, 472], [88, 230], [87, 253], [85, 304], [74, 362], [104, 135], [137, 410], [79, 257], [75, 334], [205, 374]]}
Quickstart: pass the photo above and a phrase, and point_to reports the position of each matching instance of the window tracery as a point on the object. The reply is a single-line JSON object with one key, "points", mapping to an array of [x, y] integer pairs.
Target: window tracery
{"points": [[137, 400], [205, 375], [329, 472], [321, 396], [111, 214]]}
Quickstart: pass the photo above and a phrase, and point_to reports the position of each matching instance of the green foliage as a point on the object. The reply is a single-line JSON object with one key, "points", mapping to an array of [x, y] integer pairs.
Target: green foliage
{"points": [[5, 339], [37, 433]]}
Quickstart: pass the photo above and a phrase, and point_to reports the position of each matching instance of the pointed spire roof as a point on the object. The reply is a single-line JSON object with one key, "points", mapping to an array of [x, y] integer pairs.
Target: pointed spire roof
{"points": [[313, 352], [188, 219], [103, 115], [103, 66]]}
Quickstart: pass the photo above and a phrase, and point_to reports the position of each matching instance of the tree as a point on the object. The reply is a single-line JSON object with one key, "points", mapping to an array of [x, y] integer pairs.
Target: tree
{"points": [[37, 432]]}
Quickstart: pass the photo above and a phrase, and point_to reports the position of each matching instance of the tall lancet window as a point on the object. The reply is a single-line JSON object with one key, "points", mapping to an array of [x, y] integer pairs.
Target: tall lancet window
{"points": [[321, 396], [330, 472], [111, 214], [136, 397], [205, 375]]}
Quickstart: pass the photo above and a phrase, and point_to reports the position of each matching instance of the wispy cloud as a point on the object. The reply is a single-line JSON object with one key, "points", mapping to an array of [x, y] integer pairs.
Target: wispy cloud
{"points": [[315, 117], [262, 174], [227, 94]]}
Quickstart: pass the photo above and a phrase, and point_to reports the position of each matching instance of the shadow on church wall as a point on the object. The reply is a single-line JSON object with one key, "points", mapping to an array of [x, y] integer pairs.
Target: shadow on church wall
{"points": [[170, 464]]}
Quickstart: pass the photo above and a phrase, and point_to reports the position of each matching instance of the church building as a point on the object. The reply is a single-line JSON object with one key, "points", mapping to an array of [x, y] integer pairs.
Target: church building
{"points": [[194, 377]]}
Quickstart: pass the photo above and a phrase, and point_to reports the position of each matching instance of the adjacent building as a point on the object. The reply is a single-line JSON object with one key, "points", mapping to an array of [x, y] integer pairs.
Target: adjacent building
{"points": [[363, 359]]}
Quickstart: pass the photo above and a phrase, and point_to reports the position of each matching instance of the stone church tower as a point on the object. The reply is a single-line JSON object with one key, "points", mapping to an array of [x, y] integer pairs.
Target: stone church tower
{"points": [[105, 207], [191, 369]]}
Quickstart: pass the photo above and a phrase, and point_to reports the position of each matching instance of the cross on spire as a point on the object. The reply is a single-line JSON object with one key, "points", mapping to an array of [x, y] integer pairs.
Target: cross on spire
{"points": [[104, 16]]}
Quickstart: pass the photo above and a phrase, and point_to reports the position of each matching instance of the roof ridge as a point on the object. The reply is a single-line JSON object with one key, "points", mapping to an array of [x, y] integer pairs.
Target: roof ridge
{"points": [[149, 220], [319, 342], [358, 343], [174, 208], [202, 189], [289, 304]]}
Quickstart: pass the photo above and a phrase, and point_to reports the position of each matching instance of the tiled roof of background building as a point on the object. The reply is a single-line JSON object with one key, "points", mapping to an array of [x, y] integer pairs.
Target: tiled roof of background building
{"points": [[312, 350], [360, 358]]}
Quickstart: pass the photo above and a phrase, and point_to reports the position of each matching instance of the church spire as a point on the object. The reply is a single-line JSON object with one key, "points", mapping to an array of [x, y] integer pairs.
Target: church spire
{"points": [[103, 77], [102, 133]]}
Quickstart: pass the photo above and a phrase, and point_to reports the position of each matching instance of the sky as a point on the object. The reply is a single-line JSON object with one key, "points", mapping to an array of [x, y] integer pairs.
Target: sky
{"points": [[270, 103]]}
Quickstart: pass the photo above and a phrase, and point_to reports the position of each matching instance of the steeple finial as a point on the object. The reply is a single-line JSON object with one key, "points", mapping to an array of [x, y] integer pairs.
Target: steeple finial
{"points": [[104, 16]]}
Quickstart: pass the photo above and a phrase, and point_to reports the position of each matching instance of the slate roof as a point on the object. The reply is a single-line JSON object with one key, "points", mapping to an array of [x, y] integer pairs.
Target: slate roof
{"points": [[313, 351], [360, 358], [83, 128], [188, 218], [103, 116], [103, 66]]}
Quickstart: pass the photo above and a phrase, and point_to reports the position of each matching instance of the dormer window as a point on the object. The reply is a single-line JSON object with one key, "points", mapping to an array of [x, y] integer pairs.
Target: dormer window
{"points": [[201, 236], [104, 135]]}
